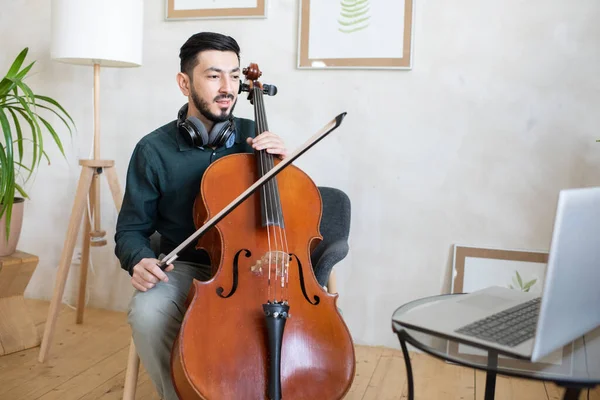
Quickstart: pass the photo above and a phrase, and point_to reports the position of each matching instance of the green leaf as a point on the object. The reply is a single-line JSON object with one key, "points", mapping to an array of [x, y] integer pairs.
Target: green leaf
{"points": [[21, 191], [519, 279], [19, 133], [8, 170], [4, 179], [58, 141], [28, 93], [353, 22], [22, 165], [24, 71], [529, 284], [54, 135], [352, 3], [354, 14], [16, 65], [34, 140], [6, 85], [7, 135], [55, 104], [29, 116], [38, 105]]}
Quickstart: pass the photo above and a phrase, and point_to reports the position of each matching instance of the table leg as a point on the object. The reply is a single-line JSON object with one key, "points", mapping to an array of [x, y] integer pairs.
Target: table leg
{"points": [[572, 393], [409, 375], [490, 377]]}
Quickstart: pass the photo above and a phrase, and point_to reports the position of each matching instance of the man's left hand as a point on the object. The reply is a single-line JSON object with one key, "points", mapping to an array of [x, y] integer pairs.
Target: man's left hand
{"points": [[270, 142]]}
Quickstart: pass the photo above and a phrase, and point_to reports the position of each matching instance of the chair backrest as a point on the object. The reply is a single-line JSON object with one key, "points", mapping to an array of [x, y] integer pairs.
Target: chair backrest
{"points": [[335, 229]]}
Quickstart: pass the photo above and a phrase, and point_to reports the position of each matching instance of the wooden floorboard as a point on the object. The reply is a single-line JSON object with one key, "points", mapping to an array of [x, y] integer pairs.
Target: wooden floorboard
{"points": [[87, 362]]}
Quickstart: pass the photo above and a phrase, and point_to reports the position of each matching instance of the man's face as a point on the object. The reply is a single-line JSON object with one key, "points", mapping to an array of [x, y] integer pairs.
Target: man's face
{"points": [[215, 84]]}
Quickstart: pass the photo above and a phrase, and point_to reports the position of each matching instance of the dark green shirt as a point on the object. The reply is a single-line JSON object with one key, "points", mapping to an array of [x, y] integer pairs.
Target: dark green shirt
{"points": [[163, 180]]}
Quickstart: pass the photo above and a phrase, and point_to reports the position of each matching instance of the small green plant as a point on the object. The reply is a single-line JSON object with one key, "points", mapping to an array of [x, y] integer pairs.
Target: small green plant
{"points": [[518, 281], [19, 103]]}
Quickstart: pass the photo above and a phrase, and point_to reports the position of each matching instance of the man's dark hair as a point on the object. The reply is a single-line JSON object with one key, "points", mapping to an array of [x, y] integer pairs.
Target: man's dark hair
{"points": [[201, 42]]}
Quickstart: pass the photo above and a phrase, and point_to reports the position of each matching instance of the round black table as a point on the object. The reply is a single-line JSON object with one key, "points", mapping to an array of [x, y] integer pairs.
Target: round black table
{"points": [[575, 367]]}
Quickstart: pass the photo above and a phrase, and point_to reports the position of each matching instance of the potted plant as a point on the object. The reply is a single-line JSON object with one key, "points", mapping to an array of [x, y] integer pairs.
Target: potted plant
{"points": [[22, 145]]}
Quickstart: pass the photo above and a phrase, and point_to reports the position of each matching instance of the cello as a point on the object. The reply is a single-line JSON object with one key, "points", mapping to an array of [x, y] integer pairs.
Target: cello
{"points": [[262, 327]]}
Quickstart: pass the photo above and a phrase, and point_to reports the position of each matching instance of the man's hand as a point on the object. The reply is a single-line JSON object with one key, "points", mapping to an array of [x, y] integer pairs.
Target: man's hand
{"points": [[270, 142], [147, 273]]}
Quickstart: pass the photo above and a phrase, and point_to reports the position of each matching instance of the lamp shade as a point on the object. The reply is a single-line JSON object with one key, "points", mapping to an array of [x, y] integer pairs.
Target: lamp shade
{"points": [[104, 32]]}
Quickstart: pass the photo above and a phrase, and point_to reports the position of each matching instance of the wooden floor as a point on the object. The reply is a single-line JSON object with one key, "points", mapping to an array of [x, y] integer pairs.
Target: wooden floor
{"points": [[88, 362]]}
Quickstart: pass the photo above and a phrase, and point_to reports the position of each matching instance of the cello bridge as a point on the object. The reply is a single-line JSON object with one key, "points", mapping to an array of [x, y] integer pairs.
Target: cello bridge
{"points": [[277, 261]]}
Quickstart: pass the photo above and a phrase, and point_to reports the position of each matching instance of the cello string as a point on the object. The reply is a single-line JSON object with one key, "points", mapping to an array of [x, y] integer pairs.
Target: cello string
{"points": [[283, 240], [274, 211], [282, 253], [287, 255], [268, 200], [260, 129], [274, 214]]}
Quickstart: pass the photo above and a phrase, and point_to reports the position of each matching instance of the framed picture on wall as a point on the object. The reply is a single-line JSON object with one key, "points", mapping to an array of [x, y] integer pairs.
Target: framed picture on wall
{"points": [[200, 9], [476, 268], [364, 34]]}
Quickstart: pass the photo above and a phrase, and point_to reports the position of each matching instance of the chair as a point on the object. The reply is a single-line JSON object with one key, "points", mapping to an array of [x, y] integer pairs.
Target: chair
{"points": [[335, 229]]}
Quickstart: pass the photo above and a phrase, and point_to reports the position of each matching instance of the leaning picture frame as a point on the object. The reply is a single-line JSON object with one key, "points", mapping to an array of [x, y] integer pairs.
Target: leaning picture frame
{"points": [[356, 34], [213, 9], [476, 268]]}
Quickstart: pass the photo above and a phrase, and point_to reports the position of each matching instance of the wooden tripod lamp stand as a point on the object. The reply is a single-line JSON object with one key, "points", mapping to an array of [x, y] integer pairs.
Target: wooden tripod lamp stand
{"points": [[105, 33]]}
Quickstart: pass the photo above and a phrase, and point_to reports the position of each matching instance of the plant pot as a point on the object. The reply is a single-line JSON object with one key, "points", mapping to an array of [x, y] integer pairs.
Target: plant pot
{"points": [[8, 247]]}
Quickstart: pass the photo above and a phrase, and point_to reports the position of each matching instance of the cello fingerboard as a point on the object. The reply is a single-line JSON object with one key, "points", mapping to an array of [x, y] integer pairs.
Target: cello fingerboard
{"points": [[270, 203]]}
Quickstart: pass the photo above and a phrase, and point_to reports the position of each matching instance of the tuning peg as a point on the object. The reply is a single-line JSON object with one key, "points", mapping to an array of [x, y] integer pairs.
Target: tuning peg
{"points": [[270, 90], [244, 87]]}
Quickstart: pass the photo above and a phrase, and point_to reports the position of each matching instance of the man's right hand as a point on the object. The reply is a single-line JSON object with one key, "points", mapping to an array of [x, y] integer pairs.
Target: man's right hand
{"points": [[147, 273]]}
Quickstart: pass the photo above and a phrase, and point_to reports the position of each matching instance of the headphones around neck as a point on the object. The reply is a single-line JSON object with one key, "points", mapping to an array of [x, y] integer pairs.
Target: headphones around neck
{"points": [[194, 131]]}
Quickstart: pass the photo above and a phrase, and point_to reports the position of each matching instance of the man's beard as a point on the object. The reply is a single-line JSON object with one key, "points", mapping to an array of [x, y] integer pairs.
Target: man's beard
{"points": [[204, 107]]}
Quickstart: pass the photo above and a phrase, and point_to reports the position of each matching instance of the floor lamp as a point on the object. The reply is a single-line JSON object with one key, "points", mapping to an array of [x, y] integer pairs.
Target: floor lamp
{"points": [[101, 33]]}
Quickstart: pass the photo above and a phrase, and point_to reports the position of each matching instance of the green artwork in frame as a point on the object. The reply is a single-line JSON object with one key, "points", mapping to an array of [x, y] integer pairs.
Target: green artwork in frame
{"points": [[354, 15], [355, 34]]}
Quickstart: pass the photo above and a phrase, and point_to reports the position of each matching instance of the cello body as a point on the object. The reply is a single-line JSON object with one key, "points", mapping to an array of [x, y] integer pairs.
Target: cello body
{"points": [[262, 327], [222, 350]]}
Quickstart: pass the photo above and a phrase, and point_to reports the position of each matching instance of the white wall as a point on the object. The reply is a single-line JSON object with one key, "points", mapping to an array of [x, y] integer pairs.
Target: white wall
{"points": [[499, 113]]}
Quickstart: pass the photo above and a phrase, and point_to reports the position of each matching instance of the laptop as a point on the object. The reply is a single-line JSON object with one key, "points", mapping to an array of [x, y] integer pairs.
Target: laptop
{"points": [[529, 325]]}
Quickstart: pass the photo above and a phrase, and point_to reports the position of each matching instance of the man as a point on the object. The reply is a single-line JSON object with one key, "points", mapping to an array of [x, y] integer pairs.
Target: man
{"points": [[163, 179]]}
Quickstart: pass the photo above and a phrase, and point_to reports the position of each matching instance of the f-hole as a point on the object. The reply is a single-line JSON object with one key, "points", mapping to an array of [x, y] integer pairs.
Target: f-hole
{"points": [[302, 284], [235, 274]]}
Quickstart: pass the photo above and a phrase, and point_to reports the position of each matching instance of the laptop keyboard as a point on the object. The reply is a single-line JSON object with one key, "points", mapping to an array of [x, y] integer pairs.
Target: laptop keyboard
{"points": [[509, 327]]}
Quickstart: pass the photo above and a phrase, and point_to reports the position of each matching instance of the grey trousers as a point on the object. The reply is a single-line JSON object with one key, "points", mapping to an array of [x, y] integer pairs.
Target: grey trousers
{"points": [[155, 317]]}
